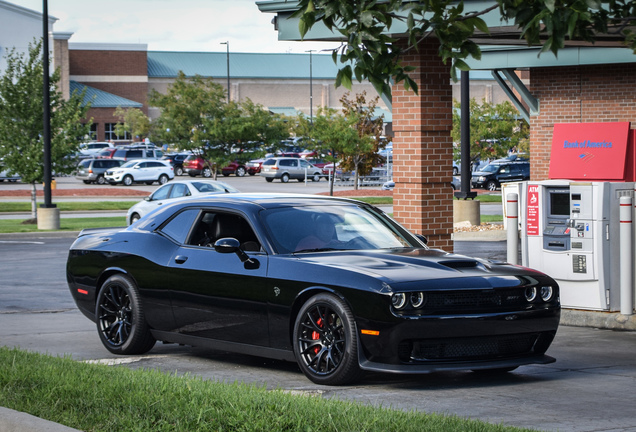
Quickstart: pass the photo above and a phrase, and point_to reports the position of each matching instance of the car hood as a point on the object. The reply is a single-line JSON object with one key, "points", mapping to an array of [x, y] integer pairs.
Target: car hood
{"points": [[418, 265]]}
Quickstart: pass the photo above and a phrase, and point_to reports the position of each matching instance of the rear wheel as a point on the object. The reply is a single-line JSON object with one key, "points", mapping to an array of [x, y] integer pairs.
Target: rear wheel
{"points": [[128, 180], [207, 172], [163, 179], [121, 322], [178, 171], [240, 172], [100, 180], [325, 341], [269, 179]]}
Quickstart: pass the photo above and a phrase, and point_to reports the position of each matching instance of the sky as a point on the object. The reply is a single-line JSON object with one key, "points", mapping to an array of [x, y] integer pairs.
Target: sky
{"points": [[171, 25]]}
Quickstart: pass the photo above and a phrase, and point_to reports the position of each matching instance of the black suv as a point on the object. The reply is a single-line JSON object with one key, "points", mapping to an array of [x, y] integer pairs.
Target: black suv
{"points": [[497, 172]]}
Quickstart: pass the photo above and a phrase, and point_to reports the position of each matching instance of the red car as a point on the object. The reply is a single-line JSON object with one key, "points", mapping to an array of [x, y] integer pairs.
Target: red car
{"points": [[195, 165], [237, 168]]}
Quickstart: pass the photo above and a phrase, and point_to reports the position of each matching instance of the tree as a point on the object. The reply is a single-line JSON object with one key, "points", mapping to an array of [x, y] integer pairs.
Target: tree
{"points": [[370, 52], [494, 130], [21, 126], [196, 116], [133, 121], [361, 155]]}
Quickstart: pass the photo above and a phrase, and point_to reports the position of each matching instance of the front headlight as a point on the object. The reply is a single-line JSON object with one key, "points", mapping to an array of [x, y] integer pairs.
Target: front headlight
{"points": [[481, 178], [398, 300], [546, 293], [530, 293]]}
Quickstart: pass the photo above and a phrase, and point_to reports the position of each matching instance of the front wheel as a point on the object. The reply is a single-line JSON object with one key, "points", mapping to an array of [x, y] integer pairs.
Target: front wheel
{"points": [[240, 172], [128, 180], [491, 185], [325, 341], [284, 178], [315, 177], [207, 172], [121, 322]]}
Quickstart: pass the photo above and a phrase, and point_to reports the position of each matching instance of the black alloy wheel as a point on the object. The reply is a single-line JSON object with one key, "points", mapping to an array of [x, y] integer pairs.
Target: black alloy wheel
{"points": [[325, 341], [121, 322]]}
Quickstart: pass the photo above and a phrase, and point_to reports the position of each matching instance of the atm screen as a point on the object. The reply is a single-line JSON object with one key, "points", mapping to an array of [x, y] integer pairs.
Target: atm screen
{"points": [[560, 203]]}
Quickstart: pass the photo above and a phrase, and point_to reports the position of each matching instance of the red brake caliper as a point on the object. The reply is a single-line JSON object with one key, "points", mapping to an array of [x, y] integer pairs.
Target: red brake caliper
{"points": [[315, 335]]}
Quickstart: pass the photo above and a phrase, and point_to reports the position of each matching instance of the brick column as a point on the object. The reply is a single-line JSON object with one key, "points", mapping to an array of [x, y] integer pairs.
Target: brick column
{"points": [[423, 149]]}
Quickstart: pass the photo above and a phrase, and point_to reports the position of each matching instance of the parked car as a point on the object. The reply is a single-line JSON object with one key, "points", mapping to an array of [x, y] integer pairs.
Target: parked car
{"points": [[140, 171], [91, 149], [235, 167], [6, 175], [495, 173], [176, 160], [176, 189], [137, 152], [93, 170], [230, 272], [286, 168], [106, 153], [195, 165]]}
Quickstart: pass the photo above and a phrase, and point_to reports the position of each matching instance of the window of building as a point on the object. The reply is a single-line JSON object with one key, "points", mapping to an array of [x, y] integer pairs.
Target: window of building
{"points": [[110, 134], [93, 132]]}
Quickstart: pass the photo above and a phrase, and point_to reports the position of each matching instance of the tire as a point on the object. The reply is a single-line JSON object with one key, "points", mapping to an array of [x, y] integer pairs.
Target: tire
{"points": [[134, 218], [325, 341], [128, 180], [269, 179], [163, 179], [315, 177], [240, 172], [85, 181], [178, 171], [284, 178], [121, 323], [491, 185], [207, 172], [149, 183], [192, 174], [100, 180], [496, 371], [455, 171]]}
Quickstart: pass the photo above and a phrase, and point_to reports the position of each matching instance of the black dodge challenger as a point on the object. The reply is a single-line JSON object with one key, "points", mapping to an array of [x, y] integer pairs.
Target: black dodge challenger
{"points": [[333, 284]]}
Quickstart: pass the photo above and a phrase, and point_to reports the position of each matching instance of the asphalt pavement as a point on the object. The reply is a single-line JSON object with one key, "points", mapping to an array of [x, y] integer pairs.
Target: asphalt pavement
{"points": [[591, 387]]}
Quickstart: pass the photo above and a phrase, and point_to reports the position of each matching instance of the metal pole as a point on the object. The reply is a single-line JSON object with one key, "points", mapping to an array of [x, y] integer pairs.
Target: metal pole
{"points": [[626, 260], [512, 216], [311, 90], [465, 192], [227, 43], [46, 105]]}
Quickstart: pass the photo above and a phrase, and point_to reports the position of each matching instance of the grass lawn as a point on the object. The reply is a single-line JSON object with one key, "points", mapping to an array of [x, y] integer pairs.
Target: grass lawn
{"points": [[97, 398]]}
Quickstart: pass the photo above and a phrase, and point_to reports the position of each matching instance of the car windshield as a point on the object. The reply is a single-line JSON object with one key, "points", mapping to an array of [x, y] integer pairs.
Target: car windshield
{"points": [[129, 164], [491, 168], [216, 186], [325, 228]]}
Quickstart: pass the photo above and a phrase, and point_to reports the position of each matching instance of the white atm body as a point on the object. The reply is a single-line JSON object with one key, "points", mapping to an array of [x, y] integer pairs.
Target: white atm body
{"points": [[570, 230]]}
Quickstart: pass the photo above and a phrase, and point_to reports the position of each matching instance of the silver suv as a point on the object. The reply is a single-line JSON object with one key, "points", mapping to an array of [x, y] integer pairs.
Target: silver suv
{"points": [[285, 168], [138, 152], [92, 170]]}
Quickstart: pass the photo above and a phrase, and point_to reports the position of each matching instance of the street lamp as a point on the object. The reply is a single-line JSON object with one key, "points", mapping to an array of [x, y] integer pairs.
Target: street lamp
{"points": [[311, 89], [227, 43]]}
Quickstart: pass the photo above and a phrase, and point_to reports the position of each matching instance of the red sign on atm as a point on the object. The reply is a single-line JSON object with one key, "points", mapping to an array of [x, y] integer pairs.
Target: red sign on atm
{"points": [[532, 216], [589, 151]]}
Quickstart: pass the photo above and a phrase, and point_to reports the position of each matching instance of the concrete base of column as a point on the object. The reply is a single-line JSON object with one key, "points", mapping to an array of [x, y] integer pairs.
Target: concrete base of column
{"points": [[466, 210], [48, 218]]}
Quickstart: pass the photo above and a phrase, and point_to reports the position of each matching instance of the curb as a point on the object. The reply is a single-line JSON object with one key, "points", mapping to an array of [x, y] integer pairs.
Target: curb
{"points": [[16, 421]]}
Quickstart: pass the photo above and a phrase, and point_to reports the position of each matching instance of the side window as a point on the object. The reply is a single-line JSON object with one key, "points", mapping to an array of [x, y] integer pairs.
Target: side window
{"points": [[143, 165], [134, 154], [304, 163], [285, 163], [179, 190], [161, 193], [213, 226], [98, 164], [179, 226]]}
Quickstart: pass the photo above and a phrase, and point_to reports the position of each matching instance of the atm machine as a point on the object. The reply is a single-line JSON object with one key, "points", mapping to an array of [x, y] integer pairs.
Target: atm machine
{"points": [[570, 231]]}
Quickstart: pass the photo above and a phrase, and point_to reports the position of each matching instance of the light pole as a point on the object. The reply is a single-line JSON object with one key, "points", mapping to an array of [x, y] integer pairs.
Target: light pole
{"points": [[227, 43], [311, 89]]}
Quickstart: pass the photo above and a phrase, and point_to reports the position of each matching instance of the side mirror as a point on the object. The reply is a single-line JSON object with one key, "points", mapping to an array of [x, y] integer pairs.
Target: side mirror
{"points": [[232, 245], [147, 198], [422, 238]]}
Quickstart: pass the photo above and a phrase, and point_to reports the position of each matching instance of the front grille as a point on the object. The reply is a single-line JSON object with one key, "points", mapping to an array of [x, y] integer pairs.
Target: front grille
{"points": [[474, 300], [460, 349]]}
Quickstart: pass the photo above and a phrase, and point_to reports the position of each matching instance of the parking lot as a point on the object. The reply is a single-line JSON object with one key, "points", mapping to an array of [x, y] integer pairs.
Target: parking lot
{"points": [[589, 388]]}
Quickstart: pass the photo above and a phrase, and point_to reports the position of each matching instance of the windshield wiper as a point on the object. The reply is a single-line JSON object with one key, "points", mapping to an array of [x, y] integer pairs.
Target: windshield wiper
{"points": [[317, 250]]}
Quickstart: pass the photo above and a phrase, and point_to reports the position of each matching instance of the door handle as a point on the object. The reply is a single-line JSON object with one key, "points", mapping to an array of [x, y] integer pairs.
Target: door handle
{"points": [[180, 259]]}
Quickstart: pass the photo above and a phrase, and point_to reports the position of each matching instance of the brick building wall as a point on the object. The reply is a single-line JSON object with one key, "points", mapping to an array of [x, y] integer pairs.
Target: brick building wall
{"points": [[423, 148], [578, 94]]}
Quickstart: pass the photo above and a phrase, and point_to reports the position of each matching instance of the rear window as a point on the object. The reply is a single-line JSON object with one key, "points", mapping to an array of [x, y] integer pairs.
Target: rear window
{"points": [[270, 162], [85, 163]]}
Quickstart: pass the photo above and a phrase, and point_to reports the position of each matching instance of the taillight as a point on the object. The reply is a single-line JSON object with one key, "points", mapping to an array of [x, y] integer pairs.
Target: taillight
{"points": [[90, 171]]}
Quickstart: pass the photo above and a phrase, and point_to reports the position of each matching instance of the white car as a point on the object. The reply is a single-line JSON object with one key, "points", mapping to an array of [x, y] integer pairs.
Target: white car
{"points": [[91, 149], [141, 171], [173, 190]]}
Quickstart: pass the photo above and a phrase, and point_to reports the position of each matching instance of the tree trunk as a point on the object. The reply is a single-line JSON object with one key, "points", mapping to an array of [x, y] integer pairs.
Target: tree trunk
{"points": [[34, 202]]}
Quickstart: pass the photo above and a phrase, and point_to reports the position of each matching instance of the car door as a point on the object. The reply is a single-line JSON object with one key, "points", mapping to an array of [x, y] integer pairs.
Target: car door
{"points": [[305, 168], [294, 169], [142, 171], [215, 295]]}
